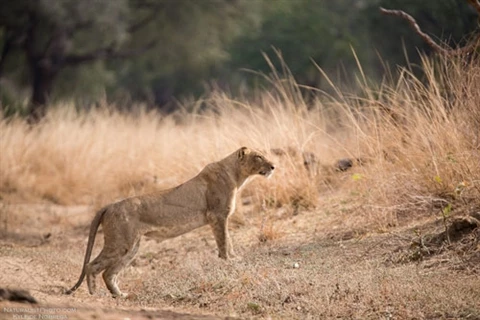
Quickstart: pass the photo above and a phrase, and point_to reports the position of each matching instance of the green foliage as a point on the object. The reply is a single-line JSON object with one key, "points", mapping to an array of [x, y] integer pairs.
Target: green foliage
{"points": [[254, 307], [194, 36], [303, 31], [447, 210], [84, 85], [357, 176], [203, 42], [10, 104]]}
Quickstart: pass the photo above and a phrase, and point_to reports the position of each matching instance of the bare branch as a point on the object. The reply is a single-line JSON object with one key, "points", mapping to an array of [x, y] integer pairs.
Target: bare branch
{"points": [[136, 26], [476, 5], [439, 49], [416, 27]]}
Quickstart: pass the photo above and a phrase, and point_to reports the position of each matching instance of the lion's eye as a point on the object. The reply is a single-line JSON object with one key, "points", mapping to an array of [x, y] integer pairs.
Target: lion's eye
{"points": [[258, 158]]}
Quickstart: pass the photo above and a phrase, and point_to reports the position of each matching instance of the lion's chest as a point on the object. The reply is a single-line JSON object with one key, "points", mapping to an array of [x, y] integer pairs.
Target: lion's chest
{"points": [[232, 204]]}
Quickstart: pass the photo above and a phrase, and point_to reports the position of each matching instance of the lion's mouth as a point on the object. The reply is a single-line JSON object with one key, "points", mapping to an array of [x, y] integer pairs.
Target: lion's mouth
{"points": [[266, 173]]}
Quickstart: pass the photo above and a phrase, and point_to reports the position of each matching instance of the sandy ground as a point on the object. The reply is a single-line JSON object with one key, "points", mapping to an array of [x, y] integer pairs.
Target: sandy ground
{"points": [[311, 264]]}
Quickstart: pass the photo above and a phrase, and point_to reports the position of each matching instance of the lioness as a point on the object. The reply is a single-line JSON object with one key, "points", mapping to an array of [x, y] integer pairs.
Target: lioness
{"points": [[208, 198]]}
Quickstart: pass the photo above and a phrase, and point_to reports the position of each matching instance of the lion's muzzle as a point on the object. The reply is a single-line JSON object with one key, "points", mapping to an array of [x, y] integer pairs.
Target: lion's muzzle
{"points": [[267, 172]]}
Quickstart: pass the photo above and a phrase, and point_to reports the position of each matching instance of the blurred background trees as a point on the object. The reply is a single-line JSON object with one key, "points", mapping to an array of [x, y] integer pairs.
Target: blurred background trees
{"points": [[161, 51]]}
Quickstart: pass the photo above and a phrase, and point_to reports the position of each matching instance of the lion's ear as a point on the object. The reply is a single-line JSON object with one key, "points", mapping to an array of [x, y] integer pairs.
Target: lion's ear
{"points": [[242, 152]]}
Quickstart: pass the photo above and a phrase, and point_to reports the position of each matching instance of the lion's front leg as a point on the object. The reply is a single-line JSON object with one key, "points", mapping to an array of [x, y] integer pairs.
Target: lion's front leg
{"points": [[220, 232], [231, 252], [219, 225]]}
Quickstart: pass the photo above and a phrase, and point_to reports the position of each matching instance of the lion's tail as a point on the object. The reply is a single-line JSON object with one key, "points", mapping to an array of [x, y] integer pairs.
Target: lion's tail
{"points": [[91, 241]]}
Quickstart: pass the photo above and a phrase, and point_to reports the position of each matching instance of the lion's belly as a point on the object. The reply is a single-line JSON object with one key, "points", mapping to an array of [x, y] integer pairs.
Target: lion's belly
{"points": [[176, 223], [167, 233]]}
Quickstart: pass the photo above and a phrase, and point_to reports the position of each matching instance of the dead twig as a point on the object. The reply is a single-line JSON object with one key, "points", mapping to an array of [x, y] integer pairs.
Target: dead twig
{"points": [[435, 46], [476, 5]]}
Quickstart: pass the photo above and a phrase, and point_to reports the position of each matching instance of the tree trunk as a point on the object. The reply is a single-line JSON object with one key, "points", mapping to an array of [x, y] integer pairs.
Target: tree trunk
{"points": [[43, 78]]}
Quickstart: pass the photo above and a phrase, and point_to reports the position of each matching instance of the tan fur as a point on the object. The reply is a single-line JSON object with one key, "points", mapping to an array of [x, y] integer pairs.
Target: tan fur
{"points": [[208, 198]]}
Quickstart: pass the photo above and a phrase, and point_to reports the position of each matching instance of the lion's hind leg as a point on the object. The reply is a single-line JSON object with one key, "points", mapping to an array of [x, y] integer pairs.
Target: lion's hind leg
{"points": [[100, 263], [110, 276]]}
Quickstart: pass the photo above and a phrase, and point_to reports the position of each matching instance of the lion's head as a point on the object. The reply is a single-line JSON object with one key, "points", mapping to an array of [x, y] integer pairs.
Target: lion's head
{"points": [[253, 162]]}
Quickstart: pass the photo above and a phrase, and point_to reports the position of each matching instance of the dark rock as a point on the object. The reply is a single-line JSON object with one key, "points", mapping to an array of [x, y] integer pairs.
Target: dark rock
{"points": [[343, 164], [16, 295]]}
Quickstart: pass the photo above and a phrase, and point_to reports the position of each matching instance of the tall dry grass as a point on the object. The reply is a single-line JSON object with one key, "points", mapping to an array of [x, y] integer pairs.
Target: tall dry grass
{"points": [[99, 155], [418, 138], [424, 134]]}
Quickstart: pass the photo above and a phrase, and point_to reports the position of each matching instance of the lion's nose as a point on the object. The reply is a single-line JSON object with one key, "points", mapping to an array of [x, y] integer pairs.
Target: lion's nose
{"points": [[272, 167]]}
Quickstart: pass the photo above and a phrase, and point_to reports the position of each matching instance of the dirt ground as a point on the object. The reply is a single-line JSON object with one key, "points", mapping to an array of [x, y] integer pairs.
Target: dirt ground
{"points": [[295, 265]]}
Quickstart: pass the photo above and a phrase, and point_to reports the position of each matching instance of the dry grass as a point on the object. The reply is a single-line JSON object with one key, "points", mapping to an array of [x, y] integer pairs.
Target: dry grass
{"points": [[426, 142], [418, 143], [77, 158], [420, 140]]}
